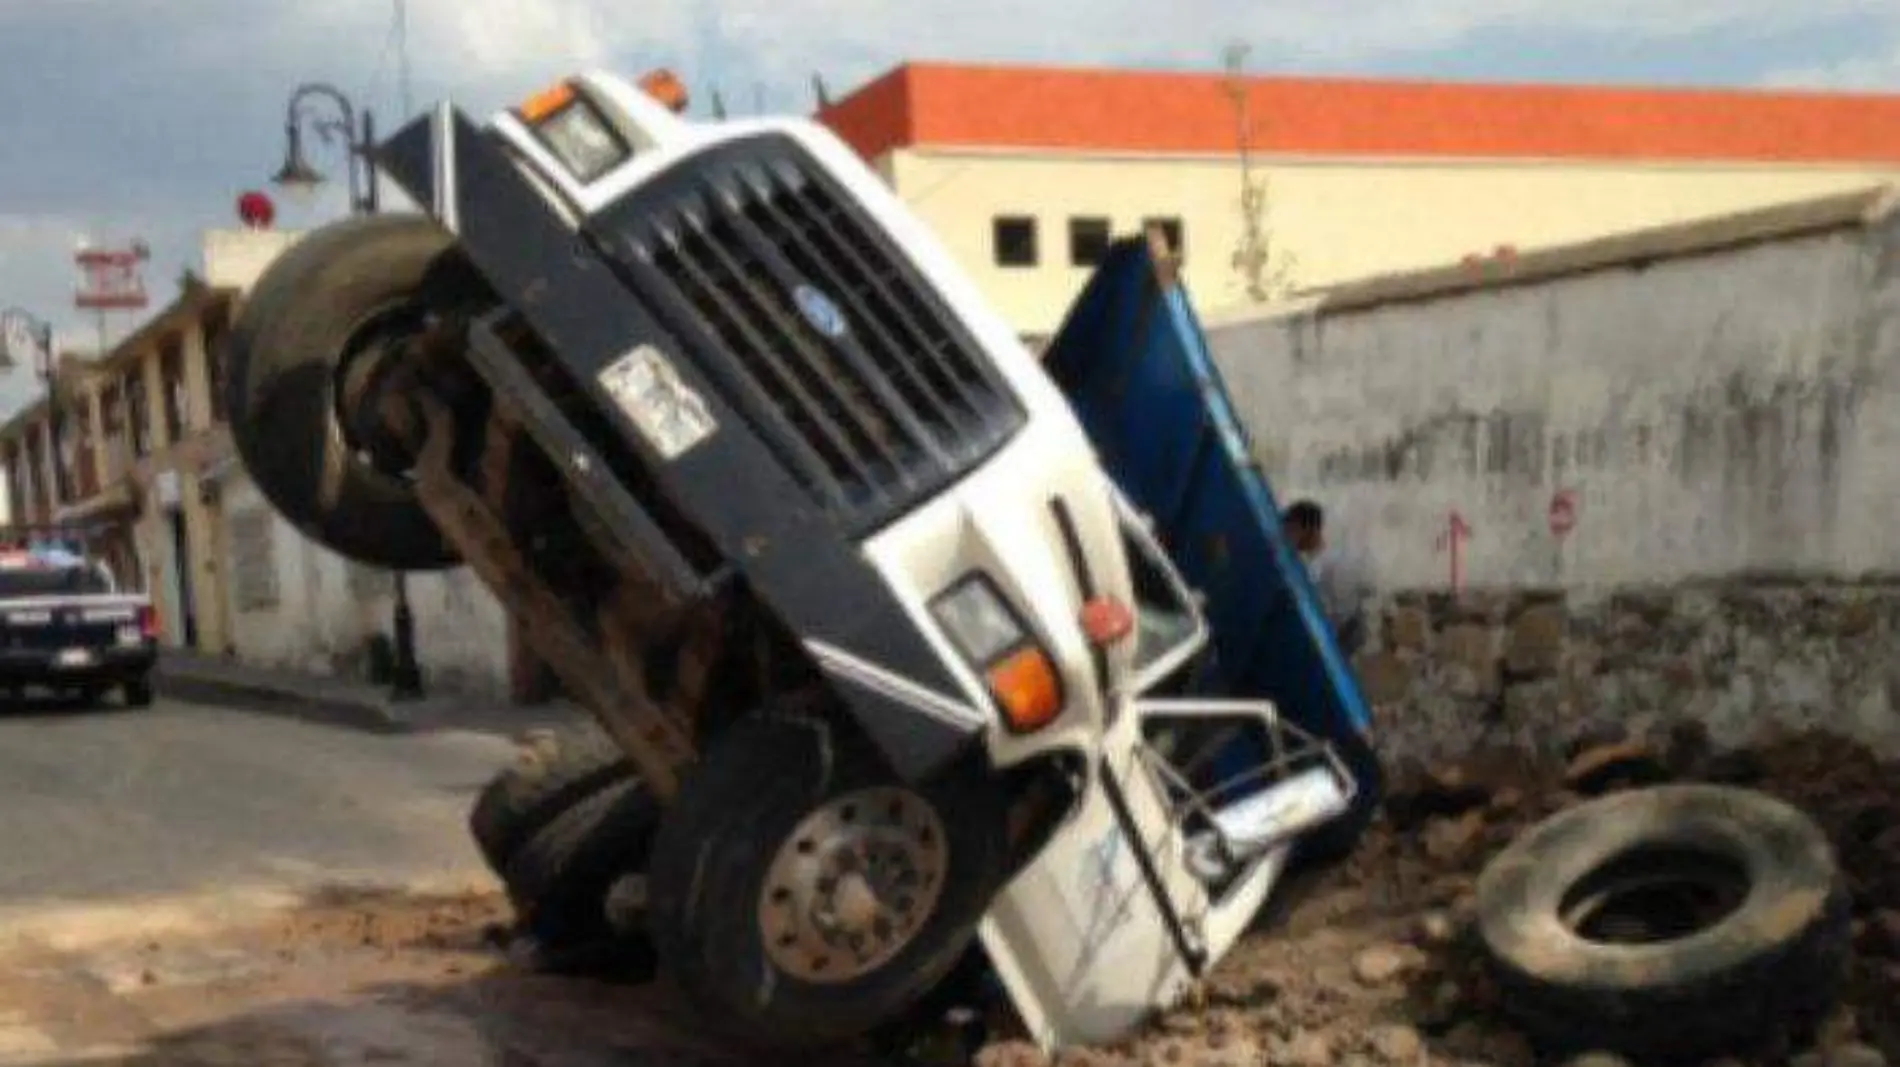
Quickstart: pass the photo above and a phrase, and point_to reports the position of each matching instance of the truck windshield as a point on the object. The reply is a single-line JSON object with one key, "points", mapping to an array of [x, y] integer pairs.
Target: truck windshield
{"points": [[52, 581]]}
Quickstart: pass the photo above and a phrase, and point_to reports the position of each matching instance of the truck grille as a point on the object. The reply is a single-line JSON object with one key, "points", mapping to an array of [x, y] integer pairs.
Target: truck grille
{"points": [[824, 336]]}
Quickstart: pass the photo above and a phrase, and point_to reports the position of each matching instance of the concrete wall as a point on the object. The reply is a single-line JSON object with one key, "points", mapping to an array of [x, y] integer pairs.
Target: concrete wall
{"points": [[1735, 411], [1527, 673], [1337, 219], [297, 605]]}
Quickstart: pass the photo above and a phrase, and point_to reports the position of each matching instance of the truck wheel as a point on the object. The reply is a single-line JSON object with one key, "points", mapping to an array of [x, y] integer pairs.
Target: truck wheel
{"points": [[801, 895], [138, 694], [1672, 922], [552, 772], [562, 875], [321, 312]]}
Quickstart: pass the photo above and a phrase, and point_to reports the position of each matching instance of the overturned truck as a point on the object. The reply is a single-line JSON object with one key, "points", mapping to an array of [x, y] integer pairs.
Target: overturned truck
{"points": [[899, 667]]}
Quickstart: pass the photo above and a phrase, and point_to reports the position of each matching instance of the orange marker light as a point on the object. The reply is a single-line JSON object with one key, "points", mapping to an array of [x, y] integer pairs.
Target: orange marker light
{"points": [[663, 85], [1106, 620], [1025, 685], [546, 102]]}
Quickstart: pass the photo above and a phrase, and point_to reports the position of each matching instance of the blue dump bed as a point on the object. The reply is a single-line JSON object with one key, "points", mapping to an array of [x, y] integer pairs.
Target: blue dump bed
{"points": [[1134, 363]]}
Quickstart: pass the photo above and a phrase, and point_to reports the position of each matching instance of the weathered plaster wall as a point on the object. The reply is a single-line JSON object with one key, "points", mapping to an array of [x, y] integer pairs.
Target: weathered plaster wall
{"points": [[1530, 671], [297, 605], [1710, 415]]}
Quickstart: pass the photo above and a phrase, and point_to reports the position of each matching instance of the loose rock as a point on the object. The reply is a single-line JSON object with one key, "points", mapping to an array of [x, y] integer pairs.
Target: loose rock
{"points": [[1396, 1043], [1597, 1059], [1309, 1049], [1437, 928], [1011, 1054], [1454, 840], [1380, 964]]}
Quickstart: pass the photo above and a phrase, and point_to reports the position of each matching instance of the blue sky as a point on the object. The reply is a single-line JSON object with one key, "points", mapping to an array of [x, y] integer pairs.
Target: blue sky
{"points": [[148, 117]]}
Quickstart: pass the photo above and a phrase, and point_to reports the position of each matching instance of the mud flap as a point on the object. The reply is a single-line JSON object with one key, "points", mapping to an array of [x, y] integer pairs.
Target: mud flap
{"points": [[1117, 917]]}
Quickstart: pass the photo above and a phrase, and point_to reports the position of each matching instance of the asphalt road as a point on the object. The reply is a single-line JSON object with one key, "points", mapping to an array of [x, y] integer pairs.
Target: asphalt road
{"points": [[185, 885], [120, 806]]}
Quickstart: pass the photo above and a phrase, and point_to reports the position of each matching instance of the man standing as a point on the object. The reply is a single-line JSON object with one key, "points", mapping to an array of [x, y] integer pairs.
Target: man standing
{"points": [[1340, 578]]}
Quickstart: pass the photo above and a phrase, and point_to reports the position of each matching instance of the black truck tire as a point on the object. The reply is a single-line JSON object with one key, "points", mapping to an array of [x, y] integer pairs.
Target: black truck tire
{"points": [[311, 309], [560, 878], [714, 883], [1680, 921], [138, 693], [552, 772]]}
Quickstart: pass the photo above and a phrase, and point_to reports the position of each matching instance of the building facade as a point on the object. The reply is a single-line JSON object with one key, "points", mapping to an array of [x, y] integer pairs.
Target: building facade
{"points": [[145, 474], [1025, 173]]}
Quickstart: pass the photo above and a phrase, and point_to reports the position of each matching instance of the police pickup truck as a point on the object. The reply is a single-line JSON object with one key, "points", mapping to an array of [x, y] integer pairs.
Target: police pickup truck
{"points": [[65, 626]]}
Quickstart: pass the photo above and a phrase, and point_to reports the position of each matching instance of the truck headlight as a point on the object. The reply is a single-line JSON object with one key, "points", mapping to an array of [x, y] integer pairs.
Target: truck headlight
{"points": [[994, 640], [575, 131]]}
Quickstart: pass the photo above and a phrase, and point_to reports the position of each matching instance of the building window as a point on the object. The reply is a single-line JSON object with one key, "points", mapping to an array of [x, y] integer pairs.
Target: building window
{"points": [[137, 413], [16, 483], [1088, 241], [217, 334], [171, 378], [253, 559], [1015, 237], [65, 451], [1170, 228], [113, 458], [39, 507]]}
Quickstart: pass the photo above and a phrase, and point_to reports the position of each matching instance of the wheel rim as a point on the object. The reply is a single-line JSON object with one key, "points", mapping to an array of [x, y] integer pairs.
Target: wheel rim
{"points": [[357, 385], [852, 885], [1653, 895]]}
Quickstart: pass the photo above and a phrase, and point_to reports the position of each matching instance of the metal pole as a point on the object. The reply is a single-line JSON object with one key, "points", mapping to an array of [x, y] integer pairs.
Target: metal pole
{"points": [[406, 673], [371, 201]]}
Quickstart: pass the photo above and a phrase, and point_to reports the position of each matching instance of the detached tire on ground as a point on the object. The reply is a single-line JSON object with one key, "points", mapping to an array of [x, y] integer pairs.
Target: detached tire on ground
{"points": [[802, 897], [322, 306], [1672, 922]]}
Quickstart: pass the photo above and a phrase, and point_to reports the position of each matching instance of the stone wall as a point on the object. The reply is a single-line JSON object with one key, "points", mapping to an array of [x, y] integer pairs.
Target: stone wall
{"points": [[1531, 672]]}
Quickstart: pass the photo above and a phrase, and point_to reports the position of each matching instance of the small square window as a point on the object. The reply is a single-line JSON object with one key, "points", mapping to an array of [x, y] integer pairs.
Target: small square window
{"points": [[1088, 241], [1171, 228], [1015, 237]]}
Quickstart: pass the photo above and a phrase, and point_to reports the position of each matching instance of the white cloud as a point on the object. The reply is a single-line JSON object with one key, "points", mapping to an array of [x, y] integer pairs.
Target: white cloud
{"points": [[1877, 70]]}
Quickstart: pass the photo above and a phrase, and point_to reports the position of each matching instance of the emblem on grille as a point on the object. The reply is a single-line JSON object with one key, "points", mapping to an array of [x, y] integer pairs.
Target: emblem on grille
{"points": [[819, 310]]}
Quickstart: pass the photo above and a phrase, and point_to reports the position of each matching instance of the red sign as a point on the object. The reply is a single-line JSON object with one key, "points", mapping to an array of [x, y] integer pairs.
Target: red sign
{"points": [[1563, 513], [113, 282]]}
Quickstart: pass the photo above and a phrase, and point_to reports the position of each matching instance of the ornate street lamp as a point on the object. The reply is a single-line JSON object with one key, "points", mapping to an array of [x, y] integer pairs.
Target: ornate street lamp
{"points": [[297, 177]]}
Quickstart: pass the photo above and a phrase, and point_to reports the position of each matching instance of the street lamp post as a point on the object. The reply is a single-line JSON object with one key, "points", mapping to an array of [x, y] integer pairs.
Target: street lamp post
{"points": [[45, 367], [299, 177]]}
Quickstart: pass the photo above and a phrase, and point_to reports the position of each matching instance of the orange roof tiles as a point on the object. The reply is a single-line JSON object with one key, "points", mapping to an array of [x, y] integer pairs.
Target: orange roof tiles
{"points": [[955, 106]]}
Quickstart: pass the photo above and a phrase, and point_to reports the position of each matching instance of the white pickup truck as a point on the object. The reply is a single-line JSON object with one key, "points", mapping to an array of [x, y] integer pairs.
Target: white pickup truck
{"points": [[66, 626]]}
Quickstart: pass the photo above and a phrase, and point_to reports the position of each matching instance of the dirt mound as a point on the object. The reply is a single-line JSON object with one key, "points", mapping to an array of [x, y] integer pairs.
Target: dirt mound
{"points": [[1373, 964]]}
